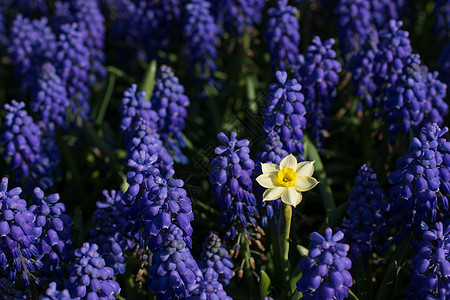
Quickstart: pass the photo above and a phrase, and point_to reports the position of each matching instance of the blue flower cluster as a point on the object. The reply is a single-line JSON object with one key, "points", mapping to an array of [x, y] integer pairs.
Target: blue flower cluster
{"points": [[215, 262], [365, 227], [30, 156], [52, 293], [325, 270], [200, 32], [109, 221], [237, 16], [283, 37], [442, 14], [54, 244], [89, 277], [170, 102], [444, 62], [8, 291], [232, 184], [435, 108], [210, 290], [421, 182], [319, 78], [18, 233], [174, 273], [432, 265]]}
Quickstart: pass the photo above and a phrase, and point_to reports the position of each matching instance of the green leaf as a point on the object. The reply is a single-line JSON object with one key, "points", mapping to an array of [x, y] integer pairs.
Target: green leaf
{"points": [[149, 80], [312, 154], [303, 251], [100, 109], [264, 284], [352, 295]]}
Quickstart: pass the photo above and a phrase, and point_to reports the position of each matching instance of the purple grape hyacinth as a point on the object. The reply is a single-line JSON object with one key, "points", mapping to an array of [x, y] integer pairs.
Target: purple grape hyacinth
{"points": [[432, 264], [109, 221], [232, 184], [200, 32], [210, 290], [18, 236], [170, 102], [89, 277], [174, 272], [54, 244], [49, 100], [421, 183], [444, 63], [435, 108], [365, 228], [26, 148], [319, 78], [7, 290], [215, 262], [283, 37], [237, 16], [325, 270], [52, 293]]}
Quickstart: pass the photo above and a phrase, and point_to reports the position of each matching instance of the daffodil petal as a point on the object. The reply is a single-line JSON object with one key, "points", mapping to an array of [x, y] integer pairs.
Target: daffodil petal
{"points": [[305, 168], [291, 197], [273, 193], [305, 183], [289, 162], [269, 168], [267, 180]]}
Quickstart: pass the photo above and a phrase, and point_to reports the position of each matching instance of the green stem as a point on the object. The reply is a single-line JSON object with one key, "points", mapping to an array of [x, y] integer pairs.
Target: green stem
{"points": [[284, 231]]}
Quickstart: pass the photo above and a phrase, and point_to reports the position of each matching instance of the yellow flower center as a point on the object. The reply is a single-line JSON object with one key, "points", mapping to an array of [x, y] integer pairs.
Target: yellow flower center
{"points": [[287, 177]]}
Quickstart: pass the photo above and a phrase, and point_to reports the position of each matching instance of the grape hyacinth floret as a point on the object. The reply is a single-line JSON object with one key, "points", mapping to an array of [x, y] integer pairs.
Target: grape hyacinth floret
{"points": [[24, 146], [232, 184], [435, 108], [210, 290], [89, 277], [319, 78], [283, 37], [325, 270], [170, 102], [52, 293], [365, 227], [215, 262], [200, 32], [421, 183], [174, 273], [432, 265]]}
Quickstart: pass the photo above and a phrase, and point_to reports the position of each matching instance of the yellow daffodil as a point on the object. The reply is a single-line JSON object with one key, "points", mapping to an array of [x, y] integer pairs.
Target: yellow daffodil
{"points": [[287, 180]]}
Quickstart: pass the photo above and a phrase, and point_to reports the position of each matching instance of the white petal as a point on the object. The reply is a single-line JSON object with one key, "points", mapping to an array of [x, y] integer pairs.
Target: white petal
{"points": [[305, 168], [305, 183], [273, 193], [291, 197], [289, 162], [266, 180], [269, 168]]}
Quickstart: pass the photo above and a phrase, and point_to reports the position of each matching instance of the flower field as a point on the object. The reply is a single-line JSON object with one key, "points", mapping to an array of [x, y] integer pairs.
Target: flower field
{"points": [[224, 149]]}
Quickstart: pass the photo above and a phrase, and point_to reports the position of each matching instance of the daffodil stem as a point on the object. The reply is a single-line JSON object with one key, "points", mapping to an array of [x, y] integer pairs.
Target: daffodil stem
{"points": [[284, 231]]}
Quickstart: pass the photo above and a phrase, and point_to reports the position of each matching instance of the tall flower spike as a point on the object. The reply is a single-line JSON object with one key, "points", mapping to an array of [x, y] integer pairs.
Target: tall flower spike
{"points": [[406, 97], [49, 100], [385, 10], [55, 243], [435, 108], [72, 63], [89, 277], [18, 234], [354, 26], [215, 262], [237, 16], [25, 148], [365, 228], [325, 270], [92, 23], [283, 37], [442, 14], [319, 78], [432, 264], [109, 221], [200, 32], [31, 44], [174, 273], [170, 102], [232, 184], [163, 202], [421, 183], [134, 107]]}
